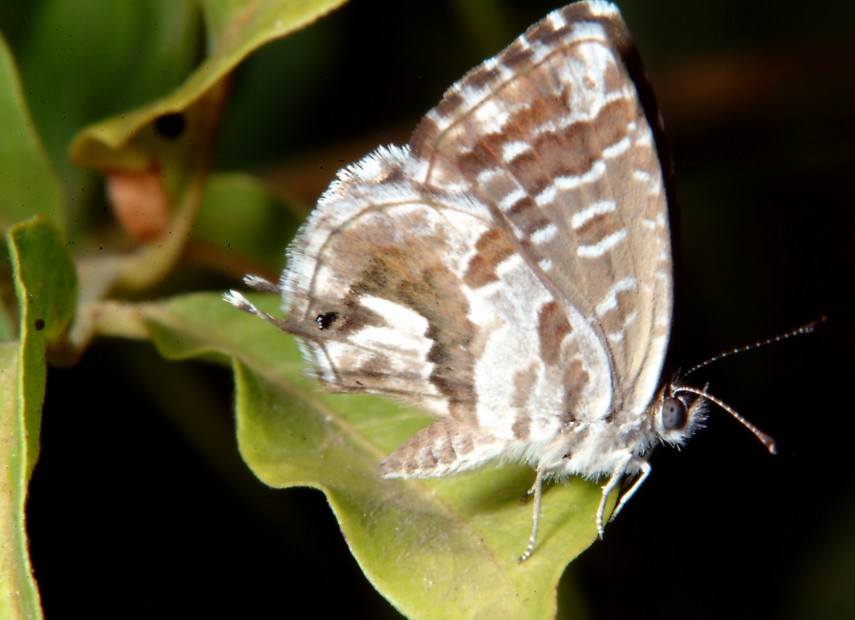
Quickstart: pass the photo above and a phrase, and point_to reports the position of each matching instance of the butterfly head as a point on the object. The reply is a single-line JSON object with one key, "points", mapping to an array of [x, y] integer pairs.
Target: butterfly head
{"points": [[681, 410], [681, 407], [678, 413]]}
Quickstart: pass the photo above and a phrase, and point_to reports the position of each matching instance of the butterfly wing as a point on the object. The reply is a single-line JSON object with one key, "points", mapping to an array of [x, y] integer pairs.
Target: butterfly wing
{"points": [[552, 136], [510, 269], [383, 257]]}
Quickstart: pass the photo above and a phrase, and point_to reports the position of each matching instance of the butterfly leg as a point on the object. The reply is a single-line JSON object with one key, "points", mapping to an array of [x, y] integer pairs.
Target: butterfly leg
{"points": [[631, 462], [645, 468], [537, 491]]}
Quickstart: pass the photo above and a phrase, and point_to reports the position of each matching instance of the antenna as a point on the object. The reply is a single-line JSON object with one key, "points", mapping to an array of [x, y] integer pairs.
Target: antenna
{"points": [[807, 328], [765, 439]]}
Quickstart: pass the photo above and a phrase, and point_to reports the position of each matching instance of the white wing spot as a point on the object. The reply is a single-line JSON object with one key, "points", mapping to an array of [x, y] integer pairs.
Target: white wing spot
{"points": [[401, 317], [507, 203], [620, 335], [557, 20], [485, 177], [580, 218], [514, 149], [546, 197], [572, 181], [545, 234], [641, 176], [598, 249], [618, 148], [491, 116], [604, 9], [609, 302]]}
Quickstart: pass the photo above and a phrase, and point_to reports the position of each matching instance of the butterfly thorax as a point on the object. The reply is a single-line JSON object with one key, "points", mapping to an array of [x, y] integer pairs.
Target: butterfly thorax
{"points": [[601, 447]]}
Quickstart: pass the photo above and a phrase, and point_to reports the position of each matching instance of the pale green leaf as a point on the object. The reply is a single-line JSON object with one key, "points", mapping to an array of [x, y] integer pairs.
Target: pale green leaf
{"points": [[82, 60], [436, 549], [19, 597], [236, 29], [28, 184], [45, 284], [239, 213]]}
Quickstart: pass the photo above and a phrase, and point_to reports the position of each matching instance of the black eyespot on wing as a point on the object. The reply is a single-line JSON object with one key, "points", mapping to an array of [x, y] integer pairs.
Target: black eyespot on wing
{"points": [[325, 320], [674, 416], [171, 125]]}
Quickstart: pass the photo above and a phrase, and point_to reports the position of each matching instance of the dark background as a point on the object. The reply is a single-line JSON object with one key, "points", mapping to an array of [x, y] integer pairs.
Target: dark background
{"points": [[758, 101]]}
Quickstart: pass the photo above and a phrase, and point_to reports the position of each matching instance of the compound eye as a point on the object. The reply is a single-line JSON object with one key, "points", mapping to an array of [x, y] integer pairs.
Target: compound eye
{"points": [[674, 414]]}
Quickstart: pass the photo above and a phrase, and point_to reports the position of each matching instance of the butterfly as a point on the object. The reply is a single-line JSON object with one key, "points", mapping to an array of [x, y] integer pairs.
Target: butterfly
{"points": [[509, 270]]}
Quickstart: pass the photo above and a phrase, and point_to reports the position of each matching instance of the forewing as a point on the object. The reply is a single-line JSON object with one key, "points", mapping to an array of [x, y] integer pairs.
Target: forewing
{"points": [[551, 136]]}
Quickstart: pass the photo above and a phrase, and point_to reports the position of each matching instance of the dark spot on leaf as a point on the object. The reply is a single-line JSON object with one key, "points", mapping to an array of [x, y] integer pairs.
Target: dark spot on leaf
{"points": [[40, 324], [170, 126]]}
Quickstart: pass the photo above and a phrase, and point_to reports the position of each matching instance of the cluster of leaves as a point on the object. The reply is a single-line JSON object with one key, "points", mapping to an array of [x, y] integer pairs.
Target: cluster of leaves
{"points": [[434, 549]]}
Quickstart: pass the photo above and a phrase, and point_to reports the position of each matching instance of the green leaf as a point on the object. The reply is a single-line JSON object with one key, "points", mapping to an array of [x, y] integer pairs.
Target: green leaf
{"points": [[46, 287], [435, 549], [28, 184], [45, 284], [158, 156], [236, 28], [82, 60], [240, 213], [19, 597]]}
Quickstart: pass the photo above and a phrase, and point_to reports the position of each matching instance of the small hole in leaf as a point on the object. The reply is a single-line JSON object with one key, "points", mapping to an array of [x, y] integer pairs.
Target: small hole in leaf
{"points": [[170, 125]]}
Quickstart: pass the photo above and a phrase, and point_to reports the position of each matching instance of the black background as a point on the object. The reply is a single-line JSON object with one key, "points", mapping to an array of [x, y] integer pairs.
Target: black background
{"points": [[758, 101]]}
